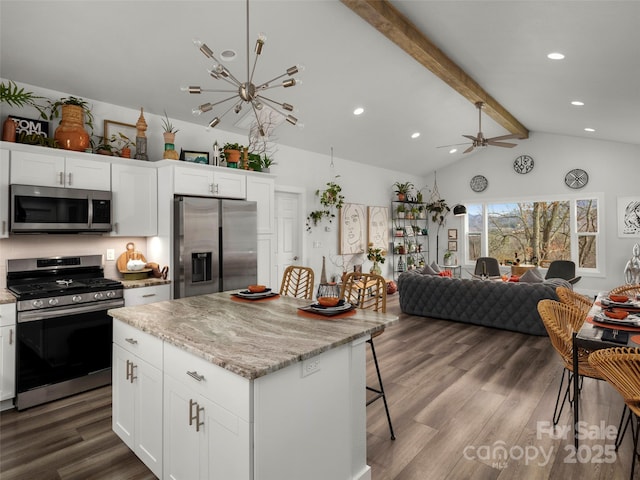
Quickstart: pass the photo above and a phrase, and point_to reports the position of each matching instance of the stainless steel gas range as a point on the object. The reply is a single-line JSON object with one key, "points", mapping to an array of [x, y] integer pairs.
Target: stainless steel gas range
{"points": [[63, 331]]}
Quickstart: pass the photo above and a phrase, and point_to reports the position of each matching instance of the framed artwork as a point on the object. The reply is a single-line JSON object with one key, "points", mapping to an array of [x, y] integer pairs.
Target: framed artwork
{"points": [[452, 246], [628, 217], [378, 227], [195, 157], [353, 229], [112, 127], [452, 234]]}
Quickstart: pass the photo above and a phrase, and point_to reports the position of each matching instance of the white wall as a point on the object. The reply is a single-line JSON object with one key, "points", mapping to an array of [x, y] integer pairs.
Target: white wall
{"points": [[613, 168]]}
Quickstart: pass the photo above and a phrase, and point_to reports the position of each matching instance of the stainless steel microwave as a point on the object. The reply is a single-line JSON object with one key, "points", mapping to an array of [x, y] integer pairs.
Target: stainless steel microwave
{"points": [[36, 209]]}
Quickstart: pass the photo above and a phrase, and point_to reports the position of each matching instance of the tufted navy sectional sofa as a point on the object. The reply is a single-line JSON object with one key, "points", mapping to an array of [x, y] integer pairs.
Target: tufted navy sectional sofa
{"points": [[497, 304]]}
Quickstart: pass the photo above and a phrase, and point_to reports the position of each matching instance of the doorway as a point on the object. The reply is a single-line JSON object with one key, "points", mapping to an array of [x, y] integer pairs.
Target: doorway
{"points": [[289, 248]]}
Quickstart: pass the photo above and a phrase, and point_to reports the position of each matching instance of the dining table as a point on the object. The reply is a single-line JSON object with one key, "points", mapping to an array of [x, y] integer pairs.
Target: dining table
{"points": [[617, 333]]}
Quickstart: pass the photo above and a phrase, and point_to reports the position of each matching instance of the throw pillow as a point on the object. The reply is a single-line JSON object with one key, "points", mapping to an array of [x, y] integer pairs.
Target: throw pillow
{"points": [[531, 276], [427, 270], [434, 266]]}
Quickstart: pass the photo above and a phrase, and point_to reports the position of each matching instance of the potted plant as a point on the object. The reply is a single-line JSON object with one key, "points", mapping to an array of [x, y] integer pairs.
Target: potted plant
{"points": [[232, 153], [121, 144], [400, 211], [267, 163], [402, 189], [376, 255], [331, 199], [449, 258], [74, 113], [439, 210], [255, 162], [14, 96]]}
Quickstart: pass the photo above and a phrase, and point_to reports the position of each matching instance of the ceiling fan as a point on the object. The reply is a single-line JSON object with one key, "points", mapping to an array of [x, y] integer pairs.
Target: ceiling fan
{"points": [[480, 141]]}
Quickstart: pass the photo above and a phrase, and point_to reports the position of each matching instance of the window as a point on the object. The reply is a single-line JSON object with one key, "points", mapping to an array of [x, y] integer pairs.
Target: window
{"points": [[535, 231]]}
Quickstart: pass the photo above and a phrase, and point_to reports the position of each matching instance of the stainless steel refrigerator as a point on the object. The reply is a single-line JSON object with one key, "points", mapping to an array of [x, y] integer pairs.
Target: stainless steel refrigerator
{"points": [[215, 245]]}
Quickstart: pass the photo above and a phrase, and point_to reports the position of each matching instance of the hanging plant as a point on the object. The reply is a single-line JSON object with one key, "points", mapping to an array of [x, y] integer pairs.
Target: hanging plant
{"points": [[438, 210], [331, 199]]}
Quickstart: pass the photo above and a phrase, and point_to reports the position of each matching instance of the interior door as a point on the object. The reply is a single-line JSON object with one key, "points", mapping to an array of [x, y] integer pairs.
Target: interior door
{"points": [[289, 231]]}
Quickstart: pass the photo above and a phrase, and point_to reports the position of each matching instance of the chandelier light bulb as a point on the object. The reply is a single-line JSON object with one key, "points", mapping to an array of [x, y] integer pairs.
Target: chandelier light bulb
{"points": [[191, 89], [237, 108], [291, 82], [214, 122], [288, 107], [262, 38]]}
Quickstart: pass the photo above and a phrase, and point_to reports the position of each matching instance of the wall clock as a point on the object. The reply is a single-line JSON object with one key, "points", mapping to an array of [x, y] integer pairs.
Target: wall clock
{"points": [[523, 164], [576, 178], [479, 183]]}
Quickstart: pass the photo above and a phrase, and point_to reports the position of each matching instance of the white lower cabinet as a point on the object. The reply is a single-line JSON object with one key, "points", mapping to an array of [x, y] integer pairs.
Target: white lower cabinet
{"points": [[145, 295], [207, 434], [137, 393], [7, 352]]}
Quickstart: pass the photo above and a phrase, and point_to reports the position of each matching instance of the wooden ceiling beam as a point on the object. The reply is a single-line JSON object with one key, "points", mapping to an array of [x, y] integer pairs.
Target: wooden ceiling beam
{"points": [[396, 27]]}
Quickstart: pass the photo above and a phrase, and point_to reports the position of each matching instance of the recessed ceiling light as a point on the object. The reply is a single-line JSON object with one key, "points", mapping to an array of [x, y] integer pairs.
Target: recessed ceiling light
{"points": [[228, 55], [453, 150], [555, 56], [589, 129], [577, 103], [358, 111], [415, 135]]}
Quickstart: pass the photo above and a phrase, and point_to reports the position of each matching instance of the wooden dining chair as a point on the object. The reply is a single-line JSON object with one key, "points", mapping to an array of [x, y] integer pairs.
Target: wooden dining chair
{"points": [[369, 291], [569, 297], [629, 290], [620, 366], [297, 282], [561, 321]]}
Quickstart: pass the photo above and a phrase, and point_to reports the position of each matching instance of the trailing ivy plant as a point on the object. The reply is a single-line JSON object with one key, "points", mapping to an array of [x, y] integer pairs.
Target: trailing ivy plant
{"points": [[331, 199], [438, 210]]}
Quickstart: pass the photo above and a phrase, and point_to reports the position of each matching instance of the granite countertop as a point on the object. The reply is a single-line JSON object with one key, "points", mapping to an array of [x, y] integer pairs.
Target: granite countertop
{"points": [[6, 297], [248, 338], [144, 282]]}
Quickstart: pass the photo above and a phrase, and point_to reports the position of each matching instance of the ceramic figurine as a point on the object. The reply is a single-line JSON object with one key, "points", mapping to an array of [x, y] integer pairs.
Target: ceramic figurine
{"points": [[141, 138], [632, 269]]}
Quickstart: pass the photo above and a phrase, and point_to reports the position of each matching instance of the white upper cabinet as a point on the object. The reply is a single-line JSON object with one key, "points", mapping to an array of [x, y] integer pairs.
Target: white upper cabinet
{"points": [[205, 181], [48, 170], [261, 190], [134, 201]]}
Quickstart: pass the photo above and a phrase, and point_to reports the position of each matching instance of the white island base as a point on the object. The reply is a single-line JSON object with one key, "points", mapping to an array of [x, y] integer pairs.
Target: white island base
{"points": [[195, 420]]}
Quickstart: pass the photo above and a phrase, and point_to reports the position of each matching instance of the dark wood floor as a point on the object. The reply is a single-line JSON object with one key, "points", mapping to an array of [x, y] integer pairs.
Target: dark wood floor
{"points": [[458, 394]]}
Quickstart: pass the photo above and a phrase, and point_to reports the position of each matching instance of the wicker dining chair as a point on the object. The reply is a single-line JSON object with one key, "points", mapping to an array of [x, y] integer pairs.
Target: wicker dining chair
{"points": [[560, 321], [629, 290], [569, 297], [369, 291], [297, 282], [620, 366]]}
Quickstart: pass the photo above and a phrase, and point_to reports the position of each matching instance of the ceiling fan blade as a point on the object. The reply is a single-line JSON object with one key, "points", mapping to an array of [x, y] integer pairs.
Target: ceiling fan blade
{"points": [[473, 139], [453, 145], [469, 149], [501, 144], [504, 137]]}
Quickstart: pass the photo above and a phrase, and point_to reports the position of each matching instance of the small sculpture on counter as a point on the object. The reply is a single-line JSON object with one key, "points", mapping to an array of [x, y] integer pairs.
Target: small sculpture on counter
{"points": [[632, 269], [141, 138]]}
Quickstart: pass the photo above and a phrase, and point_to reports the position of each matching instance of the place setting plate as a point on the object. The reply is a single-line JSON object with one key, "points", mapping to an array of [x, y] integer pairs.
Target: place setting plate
{"points": [[247, 295], [341, 307]]}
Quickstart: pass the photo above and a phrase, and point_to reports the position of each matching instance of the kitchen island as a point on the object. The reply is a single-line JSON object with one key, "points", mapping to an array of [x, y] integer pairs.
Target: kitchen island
{"points": [[214, 386]]}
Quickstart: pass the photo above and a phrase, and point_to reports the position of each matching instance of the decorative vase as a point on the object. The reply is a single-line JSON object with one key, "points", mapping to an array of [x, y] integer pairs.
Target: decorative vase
{"points": [[9, 130], [632, 269], [125, 152], [169, 146], [71, 134], [323, 274], [401, 197], [375, 269]]}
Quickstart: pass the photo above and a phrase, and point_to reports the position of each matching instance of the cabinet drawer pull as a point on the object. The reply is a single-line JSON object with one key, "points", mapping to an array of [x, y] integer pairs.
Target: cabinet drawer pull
{"points": [[69, 178], [147, 295], [131, 341], [61, 178], [4, 226], [128, 370], [195, 375], [11, 336]]}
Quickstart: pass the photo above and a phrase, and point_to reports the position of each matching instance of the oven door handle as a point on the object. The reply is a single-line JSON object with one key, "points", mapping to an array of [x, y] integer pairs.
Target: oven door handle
{"points": [[34, 315]]}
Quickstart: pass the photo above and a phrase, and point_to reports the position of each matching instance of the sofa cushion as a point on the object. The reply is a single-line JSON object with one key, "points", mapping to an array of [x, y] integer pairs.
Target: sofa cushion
{"points": [[427, 270], [532, 276]]}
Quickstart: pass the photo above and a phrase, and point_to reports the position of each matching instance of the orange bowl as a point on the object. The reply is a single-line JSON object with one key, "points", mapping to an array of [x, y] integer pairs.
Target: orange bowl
{"points": [[618, 298], [616, 313], [256, 288], [328, 301]]}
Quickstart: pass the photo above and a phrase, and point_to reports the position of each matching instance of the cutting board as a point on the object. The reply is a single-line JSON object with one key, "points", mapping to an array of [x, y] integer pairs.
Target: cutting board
{"points": [[124, 258]]}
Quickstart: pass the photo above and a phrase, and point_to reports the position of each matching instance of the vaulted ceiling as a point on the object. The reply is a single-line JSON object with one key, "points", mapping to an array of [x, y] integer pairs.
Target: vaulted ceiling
{"points": [[376, 55]]}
